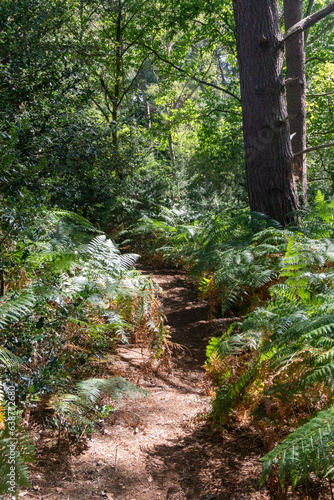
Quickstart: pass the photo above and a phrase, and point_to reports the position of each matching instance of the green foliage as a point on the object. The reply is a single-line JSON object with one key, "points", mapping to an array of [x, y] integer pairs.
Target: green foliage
{"points": [[16, 444], [106, 117], [308, 449], [77, 412], [9, 359], [15, 454], [193, 238], [233, 254], [277, 364], [110, 133], [248, 267], [13, 308], [71, 299]]}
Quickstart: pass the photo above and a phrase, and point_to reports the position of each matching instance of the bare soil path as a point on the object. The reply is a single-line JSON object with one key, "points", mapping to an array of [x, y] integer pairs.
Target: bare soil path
{"points": [[159, 447]]}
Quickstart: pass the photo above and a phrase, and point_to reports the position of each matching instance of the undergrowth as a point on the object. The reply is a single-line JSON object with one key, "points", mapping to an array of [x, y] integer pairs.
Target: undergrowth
{"points": [[68, 298], [274, 369]]}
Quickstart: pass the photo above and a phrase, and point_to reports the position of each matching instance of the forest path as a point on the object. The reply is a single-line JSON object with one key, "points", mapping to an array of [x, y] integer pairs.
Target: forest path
{"points": [[159, 447]]}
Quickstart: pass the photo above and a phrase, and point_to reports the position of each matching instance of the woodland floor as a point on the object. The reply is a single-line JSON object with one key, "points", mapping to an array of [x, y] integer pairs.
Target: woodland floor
{"points": [[161, 447]]}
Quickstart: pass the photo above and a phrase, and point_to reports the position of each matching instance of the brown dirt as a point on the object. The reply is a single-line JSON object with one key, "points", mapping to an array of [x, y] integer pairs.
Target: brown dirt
{"points": [[160, 447]]}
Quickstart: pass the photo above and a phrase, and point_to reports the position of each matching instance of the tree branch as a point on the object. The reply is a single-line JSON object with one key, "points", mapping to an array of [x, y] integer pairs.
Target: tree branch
{"points": [[125, 25], [103, 111], [315, 148], [136, 39], [224, 111], [308, 22], [198, 80], [308, 13], [133, 80], [320, 59], [106, 92], [320, 95]]}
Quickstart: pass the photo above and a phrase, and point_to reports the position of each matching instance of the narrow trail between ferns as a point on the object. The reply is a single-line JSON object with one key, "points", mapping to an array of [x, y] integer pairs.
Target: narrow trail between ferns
{"points": [[160, 447]]}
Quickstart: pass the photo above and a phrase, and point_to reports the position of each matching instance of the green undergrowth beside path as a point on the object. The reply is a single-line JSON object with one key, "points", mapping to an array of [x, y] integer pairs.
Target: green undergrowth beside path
{"points": [[274, 370], [69, 297]]}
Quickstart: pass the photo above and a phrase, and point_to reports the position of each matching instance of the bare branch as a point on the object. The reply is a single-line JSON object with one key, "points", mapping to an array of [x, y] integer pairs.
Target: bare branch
{"points": [[320, 95], [315, 148], [308, 22]]}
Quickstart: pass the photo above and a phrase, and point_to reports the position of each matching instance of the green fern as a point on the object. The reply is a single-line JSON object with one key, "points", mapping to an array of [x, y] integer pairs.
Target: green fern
{"points": [[13, 307], [79, 409], [285, 350], [14, 459], [308, 449], [8, 359], [227, 395]]}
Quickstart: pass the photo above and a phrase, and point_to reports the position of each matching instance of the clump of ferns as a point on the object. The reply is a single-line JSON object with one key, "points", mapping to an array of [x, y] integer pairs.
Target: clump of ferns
{"points": [[107, 281], [74, 414], [285, 354], [9, 434], [80, 309], [318, 219], [163, 236], [98, 283], [244, 272], [147, 315], [46, 245], [191, 240]]}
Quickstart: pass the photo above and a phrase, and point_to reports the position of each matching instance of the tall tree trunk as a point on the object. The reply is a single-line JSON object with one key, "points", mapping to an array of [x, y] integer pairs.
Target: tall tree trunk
{"points": [[268, 152], [296, 90], [117, 87], [118, 67]]}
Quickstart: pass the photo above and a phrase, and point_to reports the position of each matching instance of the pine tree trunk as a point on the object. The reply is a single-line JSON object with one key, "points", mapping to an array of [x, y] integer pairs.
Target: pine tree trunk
{"points": [[268, 153], [296, 90]]}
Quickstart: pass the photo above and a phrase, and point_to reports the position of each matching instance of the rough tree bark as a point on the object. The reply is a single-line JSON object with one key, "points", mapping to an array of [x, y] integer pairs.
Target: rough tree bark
{"points": [[296, 90], [268, 153]]}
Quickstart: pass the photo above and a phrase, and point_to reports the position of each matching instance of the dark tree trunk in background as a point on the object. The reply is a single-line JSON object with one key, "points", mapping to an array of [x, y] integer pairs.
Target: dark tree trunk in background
{"points": [[118, 76], [268, 153], [296, 90]]}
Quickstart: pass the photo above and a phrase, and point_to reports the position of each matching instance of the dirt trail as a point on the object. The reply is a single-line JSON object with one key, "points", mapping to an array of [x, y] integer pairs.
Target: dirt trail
{"points": [[159, 447]]}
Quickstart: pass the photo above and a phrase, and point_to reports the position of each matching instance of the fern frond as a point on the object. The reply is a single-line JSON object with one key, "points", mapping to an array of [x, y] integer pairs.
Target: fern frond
{"points": [[227, 395], [14, 307], [79, 408], [8, 359], [24, 453], [92, 389], [310, 448], [81, 223]]}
